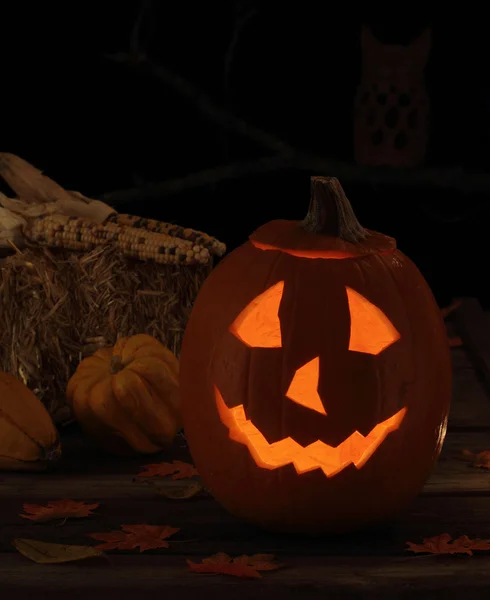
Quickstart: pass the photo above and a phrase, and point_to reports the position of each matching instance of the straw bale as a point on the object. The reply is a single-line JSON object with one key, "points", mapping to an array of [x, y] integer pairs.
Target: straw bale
{"points": [[58, 306]]}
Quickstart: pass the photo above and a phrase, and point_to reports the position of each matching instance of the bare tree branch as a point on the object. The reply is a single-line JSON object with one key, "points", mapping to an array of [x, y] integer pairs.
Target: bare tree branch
{"points": [[286, 156], [205, 104], [453, 179], [135, 48], [200, 179], [243, 14]]}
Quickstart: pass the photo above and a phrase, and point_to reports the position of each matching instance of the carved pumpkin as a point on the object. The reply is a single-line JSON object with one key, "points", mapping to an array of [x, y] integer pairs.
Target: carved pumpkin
{"points": [[127, 397], [315, 374], [28, 438]]}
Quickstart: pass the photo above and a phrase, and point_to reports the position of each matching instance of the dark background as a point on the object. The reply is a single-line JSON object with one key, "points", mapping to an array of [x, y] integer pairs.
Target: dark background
{"points": [[97, 125]]}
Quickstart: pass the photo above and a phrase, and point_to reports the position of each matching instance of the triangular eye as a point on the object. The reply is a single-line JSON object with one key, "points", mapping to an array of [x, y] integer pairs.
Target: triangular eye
{"points": [[304, 386], [370, 329], [258, 324]]}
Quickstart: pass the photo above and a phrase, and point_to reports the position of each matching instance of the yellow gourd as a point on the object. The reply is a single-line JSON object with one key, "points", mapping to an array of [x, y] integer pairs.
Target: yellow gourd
{"points": [[127, 397], [28, 437]]}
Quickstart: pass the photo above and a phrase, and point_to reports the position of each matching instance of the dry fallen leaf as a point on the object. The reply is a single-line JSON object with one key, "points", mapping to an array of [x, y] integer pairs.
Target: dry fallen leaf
{"points": [[178, 470], [147, 537], [442, 544], [241, 566], [478, 459], [183, 492], [48, 553], [58, 509]]}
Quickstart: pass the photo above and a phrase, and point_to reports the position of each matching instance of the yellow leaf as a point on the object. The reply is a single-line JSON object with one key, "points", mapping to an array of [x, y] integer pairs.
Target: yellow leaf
{"points": [[177, 493], [48, 553], [181, 493]]}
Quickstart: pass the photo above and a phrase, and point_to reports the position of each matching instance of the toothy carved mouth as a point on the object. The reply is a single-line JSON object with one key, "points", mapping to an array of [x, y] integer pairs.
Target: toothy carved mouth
{"points": [[357, 449]]}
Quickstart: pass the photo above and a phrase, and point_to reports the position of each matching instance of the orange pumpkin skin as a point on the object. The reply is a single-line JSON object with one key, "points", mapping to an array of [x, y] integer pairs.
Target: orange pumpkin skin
{"points": [[28, 437], [364, 317], [127, 397]]}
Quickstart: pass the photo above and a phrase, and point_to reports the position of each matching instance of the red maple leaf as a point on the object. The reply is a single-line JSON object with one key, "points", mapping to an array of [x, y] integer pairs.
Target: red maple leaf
{"points": [[58, 509], [146, 537], [442, 544], [241, 566], [478, 459], [178, 470]]}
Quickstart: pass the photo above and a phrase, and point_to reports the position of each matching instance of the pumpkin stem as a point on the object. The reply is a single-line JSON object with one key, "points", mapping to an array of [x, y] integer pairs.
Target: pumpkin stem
{"points": [[330, 212], [116, 364]]}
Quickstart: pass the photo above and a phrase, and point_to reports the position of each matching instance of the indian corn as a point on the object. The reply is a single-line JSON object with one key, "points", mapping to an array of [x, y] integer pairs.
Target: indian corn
{"points": [[197, 237], [76, 233]]}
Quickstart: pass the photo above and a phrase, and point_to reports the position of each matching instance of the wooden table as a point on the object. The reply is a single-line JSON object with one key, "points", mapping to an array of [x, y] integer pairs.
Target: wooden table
{"points": [[456, 500]]}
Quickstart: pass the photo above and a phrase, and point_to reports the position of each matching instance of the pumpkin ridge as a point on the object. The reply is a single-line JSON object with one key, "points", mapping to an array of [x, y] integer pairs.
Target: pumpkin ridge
{"points": [[173, 410], [129, 414], [9, 419], [167, 407], [148, 383], [153, 438], [128, 419], [129, 346], [55, 446], [160, 352], [78, 396], [168, 371]]}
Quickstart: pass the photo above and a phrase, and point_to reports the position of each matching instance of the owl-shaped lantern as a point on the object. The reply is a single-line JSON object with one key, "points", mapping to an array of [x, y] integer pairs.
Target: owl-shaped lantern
{"points": [[315, 374], [391, 112]]}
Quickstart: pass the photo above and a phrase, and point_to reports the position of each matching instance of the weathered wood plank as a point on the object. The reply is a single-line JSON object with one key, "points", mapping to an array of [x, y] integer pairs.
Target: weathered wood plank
{"points": [[85, 473], [206, 528], [474, 329], [308, 578], [470, 404], [452, 475]]}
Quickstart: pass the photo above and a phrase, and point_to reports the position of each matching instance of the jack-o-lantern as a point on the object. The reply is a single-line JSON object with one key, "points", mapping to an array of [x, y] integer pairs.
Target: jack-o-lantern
{"points": [[315, 374]]}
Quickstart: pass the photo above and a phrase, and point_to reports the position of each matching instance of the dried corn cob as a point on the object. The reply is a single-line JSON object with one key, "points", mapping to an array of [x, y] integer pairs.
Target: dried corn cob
{"points": [[197, 237], [76, 233]]}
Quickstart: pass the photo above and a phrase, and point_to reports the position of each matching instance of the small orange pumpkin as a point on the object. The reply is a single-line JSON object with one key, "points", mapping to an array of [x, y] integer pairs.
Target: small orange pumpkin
{"points": [[28, 437], [127, 397]]}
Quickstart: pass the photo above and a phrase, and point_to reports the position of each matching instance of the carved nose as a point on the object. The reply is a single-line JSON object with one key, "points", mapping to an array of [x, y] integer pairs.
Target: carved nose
{"points": [[303, 388]]}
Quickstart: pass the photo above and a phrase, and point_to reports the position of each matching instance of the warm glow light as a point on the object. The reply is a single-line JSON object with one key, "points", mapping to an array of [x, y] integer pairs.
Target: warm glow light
{"points": [[356, 449], [370, 329], [258, 324], [304, 386]]}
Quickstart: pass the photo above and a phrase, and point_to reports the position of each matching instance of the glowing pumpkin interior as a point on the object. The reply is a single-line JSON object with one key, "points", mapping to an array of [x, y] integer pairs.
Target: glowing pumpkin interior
{"points": [[258, 326]]}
